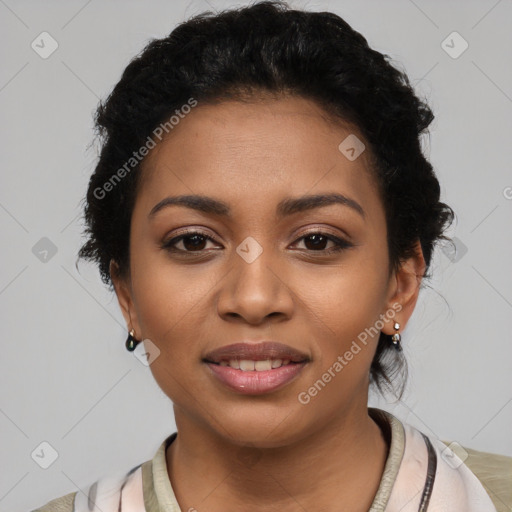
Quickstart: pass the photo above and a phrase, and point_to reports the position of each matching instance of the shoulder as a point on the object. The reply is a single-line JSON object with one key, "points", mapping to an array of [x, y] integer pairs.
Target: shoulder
{"points": [[492, 470], [135, 488], [106, 493], [432, 475], [455, 486], [62, 504]]}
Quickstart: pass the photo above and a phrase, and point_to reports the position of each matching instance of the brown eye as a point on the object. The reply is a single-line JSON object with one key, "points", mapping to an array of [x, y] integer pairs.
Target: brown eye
{"points": [[192, 241], [317, 242], [314, 242]]}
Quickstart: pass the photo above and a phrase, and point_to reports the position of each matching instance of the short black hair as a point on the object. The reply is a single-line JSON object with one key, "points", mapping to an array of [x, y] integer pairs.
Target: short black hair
{"points": [[267, 47]]}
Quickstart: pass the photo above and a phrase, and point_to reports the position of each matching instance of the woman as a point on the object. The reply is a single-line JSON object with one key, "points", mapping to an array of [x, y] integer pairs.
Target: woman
{"points": [[265, 215]]}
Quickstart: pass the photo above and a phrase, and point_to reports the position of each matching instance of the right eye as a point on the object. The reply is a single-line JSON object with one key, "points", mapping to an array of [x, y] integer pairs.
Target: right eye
{"points": [[192, 241]]}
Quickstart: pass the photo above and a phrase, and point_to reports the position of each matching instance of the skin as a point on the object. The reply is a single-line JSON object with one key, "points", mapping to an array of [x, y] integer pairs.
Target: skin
{"points": [[266, 452]]}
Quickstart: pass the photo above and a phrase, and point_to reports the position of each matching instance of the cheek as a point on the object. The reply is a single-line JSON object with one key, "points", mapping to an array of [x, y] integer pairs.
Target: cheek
{"points": [[164, 303], [167, 294], [171, 311], [346, 308], [344, 345], [348, 297]]}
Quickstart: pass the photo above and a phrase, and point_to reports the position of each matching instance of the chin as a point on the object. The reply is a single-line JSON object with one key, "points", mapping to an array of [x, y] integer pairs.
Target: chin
{"points": [[264, 427]]}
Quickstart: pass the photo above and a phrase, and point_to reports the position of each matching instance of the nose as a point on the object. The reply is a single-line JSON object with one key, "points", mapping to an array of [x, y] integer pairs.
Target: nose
{"points": [[254, 291]]}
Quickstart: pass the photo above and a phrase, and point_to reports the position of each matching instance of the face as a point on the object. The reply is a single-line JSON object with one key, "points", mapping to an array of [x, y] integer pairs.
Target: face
{"points": [[261, 266]]}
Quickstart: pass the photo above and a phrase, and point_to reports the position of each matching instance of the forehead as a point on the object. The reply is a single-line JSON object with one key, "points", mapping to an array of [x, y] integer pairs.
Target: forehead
{"points": [[258, 151]]}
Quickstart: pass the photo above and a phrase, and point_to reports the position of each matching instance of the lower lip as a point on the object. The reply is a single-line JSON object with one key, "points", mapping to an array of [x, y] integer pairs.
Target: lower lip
{"points": [[253, 382]]}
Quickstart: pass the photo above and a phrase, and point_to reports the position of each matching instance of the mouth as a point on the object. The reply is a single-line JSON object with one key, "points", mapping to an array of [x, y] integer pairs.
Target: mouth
{"points": [[257, 352], [248, 365], [256, 368]]}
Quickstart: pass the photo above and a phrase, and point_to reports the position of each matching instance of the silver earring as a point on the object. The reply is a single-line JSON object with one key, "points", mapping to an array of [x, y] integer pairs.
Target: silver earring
{"points": [[396, 338]]}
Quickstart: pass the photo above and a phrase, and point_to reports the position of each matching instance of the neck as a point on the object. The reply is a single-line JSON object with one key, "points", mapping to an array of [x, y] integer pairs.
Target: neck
{"points": [[344, 460]]}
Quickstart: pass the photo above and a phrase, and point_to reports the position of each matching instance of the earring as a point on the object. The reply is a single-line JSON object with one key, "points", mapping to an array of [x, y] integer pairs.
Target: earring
{"points": [[396, 338], [131, 342]]}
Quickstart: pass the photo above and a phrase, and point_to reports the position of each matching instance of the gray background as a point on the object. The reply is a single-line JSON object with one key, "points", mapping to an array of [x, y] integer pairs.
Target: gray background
{"points": [[66, 377]]}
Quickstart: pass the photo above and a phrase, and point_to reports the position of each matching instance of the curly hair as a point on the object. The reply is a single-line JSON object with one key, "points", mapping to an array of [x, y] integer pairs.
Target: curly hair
{"points": [[269, 47]]}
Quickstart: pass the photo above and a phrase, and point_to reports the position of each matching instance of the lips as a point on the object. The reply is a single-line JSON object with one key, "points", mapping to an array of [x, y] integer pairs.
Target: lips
{"points": [[255, 369], [267, 350]]}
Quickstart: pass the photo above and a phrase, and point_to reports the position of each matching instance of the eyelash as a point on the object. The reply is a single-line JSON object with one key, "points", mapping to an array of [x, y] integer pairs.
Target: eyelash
{"points": [[340, 244]]}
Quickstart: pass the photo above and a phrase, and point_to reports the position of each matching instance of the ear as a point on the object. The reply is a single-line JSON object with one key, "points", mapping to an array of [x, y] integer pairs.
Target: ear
{"points": [[123, 289], [404, 288]]}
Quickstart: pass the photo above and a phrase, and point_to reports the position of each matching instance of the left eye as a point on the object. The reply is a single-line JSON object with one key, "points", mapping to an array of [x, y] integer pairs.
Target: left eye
{"points": [[318, 240], [194, 241]]}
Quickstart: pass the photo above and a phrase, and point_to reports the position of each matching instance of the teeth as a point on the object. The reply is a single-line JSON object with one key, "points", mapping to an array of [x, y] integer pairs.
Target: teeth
{"points": [[263, 365], [246, 365], [259, 366]]}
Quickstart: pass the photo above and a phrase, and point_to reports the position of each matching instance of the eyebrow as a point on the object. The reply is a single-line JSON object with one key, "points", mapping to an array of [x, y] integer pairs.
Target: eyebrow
{"points": [[286, 207]]}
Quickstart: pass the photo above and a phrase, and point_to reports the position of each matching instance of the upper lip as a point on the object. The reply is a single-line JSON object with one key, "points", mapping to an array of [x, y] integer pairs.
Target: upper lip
{"points": [[255, 352]]}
